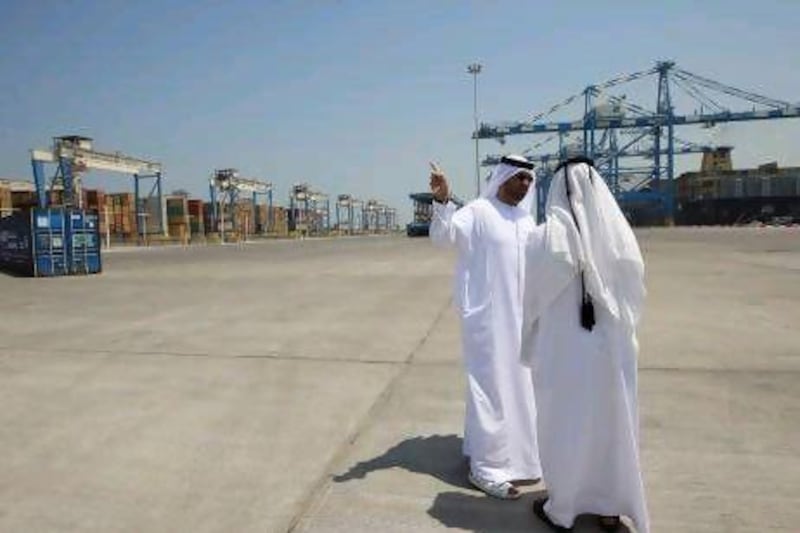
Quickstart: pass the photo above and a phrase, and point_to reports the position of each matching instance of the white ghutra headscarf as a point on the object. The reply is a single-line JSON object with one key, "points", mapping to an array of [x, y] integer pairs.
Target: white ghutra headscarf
{"points": [[509, 166], [587, 235]]}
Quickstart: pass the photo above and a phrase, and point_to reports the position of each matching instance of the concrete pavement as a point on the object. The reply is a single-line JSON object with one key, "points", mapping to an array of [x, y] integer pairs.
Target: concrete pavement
{"points": [[316, 386]]}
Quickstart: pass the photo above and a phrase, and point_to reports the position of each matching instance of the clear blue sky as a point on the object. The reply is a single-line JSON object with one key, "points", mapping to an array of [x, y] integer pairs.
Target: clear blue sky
{"points": [[357, 96]]}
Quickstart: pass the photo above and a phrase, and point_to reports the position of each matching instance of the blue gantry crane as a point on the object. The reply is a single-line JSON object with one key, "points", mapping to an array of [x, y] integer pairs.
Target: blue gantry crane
{"points": [[226, 188], [74, 154], [629, 184], [607, 118]]}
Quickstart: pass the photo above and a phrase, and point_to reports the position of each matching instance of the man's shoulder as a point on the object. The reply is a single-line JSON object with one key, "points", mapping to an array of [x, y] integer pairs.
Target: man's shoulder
{"points": [[478, 204], [483, 207]]}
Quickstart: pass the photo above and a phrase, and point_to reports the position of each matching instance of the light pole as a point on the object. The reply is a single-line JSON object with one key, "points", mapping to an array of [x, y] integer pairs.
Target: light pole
{"points": [[475, 69]]}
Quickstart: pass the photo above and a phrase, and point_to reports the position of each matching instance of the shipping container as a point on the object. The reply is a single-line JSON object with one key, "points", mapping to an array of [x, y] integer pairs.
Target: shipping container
{"points": [[177, 208], [34, 243], [753, 187], [785, 186], [50, 242], [728, 188], [23, 199], [766, 187], [6, 205], [178, 231], [196, 219], [121, 214], [83, 243]]}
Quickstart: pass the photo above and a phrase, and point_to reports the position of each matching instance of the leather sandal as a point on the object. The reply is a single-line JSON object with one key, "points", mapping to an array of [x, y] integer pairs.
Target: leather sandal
{"points": [[503, 490]]}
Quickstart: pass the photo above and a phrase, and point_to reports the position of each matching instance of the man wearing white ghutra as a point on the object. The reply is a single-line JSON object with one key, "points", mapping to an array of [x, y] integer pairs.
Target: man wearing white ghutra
{"points": [[490, 234]]}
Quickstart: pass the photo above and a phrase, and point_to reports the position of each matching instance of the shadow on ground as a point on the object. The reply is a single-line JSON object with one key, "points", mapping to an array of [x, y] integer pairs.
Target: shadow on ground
{"points": [[439, 456], [483, 514]]}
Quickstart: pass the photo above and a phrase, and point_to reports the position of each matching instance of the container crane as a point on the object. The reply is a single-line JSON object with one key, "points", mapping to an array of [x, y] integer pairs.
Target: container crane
{"points": [[74, 155], [345, 214], [607, 159], [226, 188], [309, 209], [320, 205], [621, 114]]}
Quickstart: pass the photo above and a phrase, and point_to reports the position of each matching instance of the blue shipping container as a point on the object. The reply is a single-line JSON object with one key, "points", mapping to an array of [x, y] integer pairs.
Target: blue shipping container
{"points": [[48, 242], [83, 243]]}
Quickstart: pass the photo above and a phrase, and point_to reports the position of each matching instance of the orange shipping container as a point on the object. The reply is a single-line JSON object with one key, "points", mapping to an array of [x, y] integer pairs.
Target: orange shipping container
{"points": [[6, 205]]}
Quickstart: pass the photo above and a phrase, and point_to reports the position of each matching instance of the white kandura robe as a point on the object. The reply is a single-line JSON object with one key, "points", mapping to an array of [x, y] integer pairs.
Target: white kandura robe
{"points": [[584, 381], [500, 422]]}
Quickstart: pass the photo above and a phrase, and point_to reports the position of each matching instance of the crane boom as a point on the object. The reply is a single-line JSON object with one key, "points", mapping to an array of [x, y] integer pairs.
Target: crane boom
{"points": [[487, 131]]}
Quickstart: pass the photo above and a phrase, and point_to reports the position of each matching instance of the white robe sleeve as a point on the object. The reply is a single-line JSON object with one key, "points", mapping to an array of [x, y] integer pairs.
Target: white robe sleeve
{"points": [[451, 226]]}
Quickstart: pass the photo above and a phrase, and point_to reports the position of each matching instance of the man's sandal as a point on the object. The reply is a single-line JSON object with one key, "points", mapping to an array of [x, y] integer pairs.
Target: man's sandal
{"points": [[538, 510], [503, 489]]}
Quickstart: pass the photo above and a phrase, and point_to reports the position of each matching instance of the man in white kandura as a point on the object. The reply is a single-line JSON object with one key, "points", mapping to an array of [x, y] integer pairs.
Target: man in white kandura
{"points": [[583, 299], [490, 234]]}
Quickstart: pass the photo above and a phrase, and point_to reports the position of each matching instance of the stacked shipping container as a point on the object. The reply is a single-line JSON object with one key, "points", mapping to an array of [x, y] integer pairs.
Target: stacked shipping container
{"points": [[178, 217], [738, 196], [196, 218], [184, 218], [121, 213], [280, 221], [254, 220], [6, 206], [754, 183]]}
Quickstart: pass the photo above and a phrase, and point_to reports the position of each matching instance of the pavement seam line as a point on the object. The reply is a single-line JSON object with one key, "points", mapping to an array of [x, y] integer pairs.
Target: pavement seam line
{"points": [[274, 356], [319, 489]]}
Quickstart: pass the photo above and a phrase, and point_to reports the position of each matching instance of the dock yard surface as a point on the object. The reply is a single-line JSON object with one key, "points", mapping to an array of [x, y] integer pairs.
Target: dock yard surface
{"points": [[316, 386]]}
